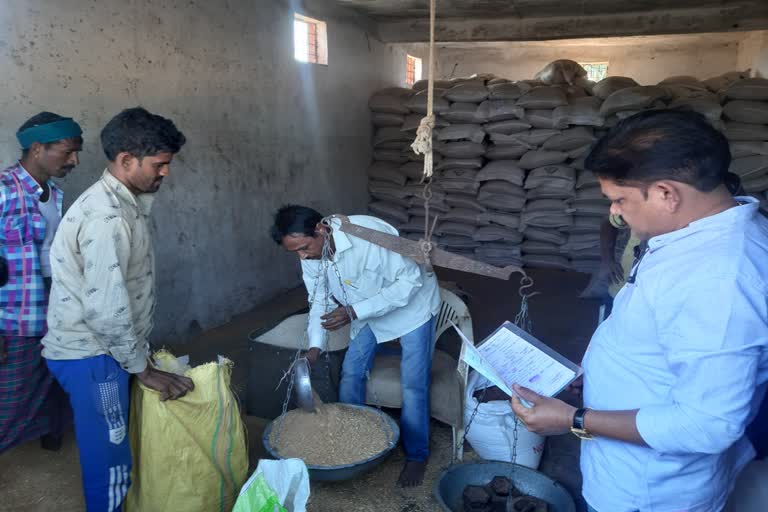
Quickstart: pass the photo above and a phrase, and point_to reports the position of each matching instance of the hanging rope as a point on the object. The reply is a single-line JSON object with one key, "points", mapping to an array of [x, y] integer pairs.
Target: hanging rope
{"points": [[423, 143]]}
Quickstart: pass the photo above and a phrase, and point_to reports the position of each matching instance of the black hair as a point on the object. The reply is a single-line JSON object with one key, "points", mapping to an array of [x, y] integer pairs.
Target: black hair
{"points": [[294, 219], [662, 145], [40, 119], [140, 133]]}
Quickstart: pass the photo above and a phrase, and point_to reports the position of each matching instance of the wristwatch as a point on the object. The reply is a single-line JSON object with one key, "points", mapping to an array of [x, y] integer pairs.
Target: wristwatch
{"points": [[577, 428]]}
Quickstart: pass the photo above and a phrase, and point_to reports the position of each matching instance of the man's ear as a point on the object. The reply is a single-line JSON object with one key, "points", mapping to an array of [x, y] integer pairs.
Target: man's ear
{"points": [[668, 194]]}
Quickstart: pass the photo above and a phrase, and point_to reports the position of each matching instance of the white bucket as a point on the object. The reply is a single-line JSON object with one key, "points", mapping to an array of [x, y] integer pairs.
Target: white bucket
{"points": [[491, 433]]}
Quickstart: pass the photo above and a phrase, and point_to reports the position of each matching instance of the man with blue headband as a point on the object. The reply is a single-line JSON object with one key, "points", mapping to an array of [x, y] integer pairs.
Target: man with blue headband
{"points": [[32, 405]]}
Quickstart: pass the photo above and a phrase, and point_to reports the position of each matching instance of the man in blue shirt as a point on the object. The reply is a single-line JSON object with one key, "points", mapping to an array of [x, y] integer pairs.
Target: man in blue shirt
{"points": [[674, 376]]}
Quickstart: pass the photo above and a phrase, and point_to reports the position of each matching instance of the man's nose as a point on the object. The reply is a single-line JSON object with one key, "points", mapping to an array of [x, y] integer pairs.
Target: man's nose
{"points": [[615, 210], [74, 159]]}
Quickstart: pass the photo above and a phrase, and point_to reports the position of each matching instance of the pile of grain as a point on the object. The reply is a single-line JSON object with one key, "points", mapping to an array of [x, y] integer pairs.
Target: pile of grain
{"points": [[335, 435], [510, 182]]}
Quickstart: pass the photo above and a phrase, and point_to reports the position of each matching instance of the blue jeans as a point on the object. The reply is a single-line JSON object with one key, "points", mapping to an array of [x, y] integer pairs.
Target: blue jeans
{"points": [[415, 375], [98, 390]]}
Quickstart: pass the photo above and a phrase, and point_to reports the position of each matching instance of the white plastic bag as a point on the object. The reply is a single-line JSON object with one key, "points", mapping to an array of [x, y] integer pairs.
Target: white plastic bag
{"points": [[491, 433]]}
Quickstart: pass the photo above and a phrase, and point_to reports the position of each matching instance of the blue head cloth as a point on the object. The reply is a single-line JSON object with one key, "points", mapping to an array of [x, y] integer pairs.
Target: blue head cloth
{"points": [[58, 130]]}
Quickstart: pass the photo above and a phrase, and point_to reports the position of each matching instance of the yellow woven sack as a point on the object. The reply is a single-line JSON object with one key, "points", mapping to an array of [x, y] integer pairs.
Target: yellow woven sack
{"points": [[188, 454]]}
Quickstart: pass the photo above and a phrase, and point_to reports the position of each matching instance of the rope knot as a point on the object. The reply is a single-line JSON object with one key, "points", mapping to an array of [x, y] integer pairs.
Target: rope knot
{"points": [[423, 143]]}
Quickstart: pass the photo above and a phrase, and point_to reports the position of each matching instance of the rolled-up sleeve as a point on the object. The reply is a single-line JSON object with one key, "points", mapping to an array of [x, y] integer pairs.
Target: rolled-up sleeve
{"points": [[320, 302], [402, 279], [105, 244], [714, 334]]}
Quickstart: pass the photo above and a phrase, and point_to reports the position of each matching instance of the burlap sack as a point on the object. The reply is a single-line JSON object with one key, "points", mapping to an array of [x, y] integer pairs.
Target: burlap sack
{"points": [[745, 131], [459, 163], [633, 98], [748, 89], [543, 98], [507, 127], [506, 170], [462, 113], [385, 119], [506, 151], [542, 158], [458, 132], [744, 111], [550, 236], [418, 102], [504, 91], [387, 171], [499, 110], [497, 234], [467, 93], [580, 111], [389, 210], [570, 139]]}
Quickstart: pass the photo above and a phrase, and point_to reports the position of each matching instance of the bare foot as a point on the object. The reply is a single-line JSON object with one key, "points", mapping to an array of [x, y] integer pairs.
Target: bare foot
{"points": [[412, 474]]}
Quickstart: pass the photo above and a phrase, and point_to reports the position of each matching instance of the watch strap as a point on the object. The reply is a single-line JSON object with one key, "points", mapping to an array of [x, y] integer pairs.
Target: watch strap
{"points": [[578, 418]]}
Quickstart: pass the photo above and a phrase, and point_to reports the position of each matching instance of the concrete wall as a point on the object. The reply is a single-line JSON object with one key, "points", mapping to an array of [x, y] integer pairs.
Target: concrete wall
{"points": [[753, 53], [647, 59], [262, 129]]}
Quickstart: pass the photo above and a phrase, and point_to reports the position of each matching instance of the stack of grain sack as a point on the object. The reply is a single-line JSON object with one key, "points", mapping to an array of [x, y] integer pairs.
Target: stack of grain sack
{"points": [[510, 185]]}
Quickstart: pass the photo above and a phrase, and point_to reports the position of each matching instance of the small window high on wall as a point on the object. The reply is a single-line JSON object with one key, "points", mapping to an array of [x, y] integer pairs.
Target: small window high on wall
{"points": [[412, 69], [310, 40], [596, 71]]}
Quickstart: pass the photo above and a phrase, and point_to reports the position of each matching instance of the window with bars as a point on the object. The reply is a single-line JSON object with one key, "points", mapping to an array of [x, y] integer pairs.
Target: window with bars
{"points": [[412, 69], [596, 71], [310, 40]]}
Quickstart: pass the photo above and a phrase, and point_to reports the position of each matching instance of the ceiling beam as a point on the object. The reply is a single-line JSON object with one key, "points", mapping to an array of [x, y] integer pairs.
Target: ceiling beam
{"points": [[674, 21]]}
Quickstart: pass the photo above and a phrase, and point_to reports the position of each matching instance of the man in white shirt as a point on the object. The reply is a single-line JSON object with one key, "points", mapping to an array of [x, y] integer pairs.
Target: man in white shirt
{"points": [[674, 376], [385, 296], [103, 300]]}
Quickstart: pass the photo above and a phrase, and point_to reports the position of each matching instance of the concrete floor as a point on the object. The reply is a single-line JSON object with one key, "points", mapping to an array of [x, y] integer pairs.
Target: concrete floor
{"points": [[37, 481]]}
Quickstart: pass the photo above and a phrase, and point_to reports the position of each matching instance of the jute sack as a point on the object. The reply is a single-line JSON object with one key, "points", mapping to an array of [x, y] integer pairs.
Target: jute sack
{"points": [[509, 220], [389, 210], [391, 134], [504, 91], [501, 202], [542, 158], [466, 216], [418, 102], [748, 148], [543, 118], [550, 236], [506, 151], [720, 83], [387, 171], [467, 93], [462, 113], [611, 84], [497, 234], [570, 139], [455, 228], [499, 110], [633, 98], [749, 167], [460, 149], [459, 163], [712, 110], [458, 242], [537, 247], [507, 127], [506, 170], [744, 111], [387, 119], [546, 261], [421, 85], [391, 101], [748, 89], [463, 201], [458, 132], [580, 111], [561, 71], [543, 98], [559, 176], [587, 179], [745, 131]]}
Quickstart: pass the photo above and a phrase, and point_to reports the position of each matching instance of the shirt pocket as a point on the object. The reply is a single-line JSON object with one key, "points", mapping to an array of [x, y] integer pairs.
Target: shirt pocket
{"points": [[17, 230]]}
